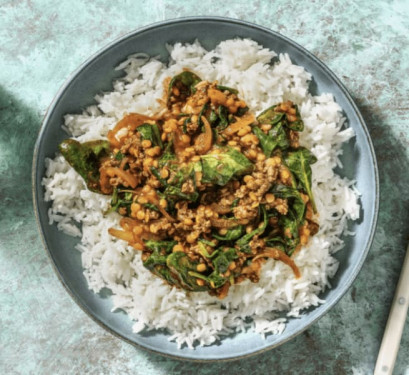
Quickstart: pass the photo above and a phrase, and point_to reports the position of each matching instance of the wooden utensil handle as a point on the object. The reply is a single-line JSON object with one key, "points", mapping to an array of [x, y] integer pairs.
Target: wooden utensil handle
{"points": [[394, 326]]}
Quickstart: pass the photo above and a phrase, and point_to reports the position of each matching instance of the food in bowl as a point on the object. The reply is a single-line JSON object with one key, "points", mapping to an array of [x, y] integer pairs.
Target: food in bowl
{"points": [[221, 223], [207, 191]]}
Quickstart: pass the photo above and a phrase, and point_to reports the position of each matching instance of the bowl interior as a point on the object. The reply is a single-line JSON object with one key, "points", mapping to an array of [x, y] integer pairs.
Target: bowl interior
{"points": [[96, 75]]}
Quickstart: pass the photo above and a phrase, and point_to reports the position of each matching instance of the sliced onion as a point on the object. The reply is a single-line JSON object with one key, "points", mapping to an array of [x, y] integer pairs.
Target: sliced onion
{"points": [[121, 234], [242, 122], [129, 178], [203, 142], [133, 120], [227, 223], [272, 252]]}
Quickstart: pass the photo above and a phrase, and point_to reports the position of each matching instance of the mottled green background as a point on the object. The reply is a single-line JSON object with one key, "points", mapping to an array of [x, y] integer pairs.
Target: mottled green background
{"points": [[42, 330]]}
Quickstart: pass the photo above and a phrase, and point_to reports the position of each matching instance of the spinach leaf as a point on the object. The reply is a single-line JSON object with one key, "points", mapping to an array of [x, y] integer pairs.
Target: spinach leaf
{"points": [[270, 116], [213, 117], [206, 242], [290, 231], [85, 158], [244, 241], [151, 206], [120, 199], [214, 279], [275, 242], [168, 155], [225, 88], [267, 143], [156, 173], [299, 163], [220, 168], [174, 184], [223, 114], [185, 270], [119, 156], [175, 192], [187, 121], [221, 264], [185, 82], [298, 124], [293, 195], [286, 246], [160, 246], [151, 133], [181, 174], [232, 234], [275, 138], [202, 113], [278, 133], [241, 111], [156, 262], [203, 251], [222, 261]]}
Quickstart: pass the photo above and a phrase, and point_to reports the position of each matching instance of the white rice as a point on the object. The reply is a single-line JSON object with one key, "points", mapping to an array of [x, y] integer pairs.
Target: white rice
{"points": [[197, 318]]}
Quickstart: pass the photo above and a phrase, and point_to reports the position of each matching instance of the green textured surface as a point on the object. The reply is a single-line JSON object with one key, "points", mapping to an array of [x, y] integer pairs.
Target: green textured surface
{"points": [[42, 331]]}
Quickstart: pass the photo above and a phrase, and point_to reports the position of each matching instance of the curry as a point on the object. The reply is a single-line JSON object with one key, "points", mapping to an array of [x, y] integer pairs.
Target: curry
{"points": [[207, 190]]}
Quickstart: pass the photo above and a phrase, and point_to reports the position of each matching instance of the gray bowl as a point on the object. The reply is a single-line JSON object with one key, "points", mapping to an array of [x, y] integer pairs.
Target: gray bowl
{"points": [[96, 75]]}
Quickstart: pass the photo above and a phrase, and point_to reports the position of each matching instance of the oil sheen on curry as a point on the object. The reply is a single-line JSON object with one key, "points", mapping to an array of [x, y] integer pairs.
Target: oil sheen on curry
{"points": [[207, 190]]}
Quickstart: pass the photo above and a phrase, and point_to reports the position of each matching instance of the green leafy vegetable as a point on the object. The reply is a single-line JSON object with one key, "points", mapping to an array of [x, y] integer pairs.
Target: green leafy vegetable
{"points": [[121, 198], [151, 133], [298, 124], [164, 247], [278, 133], [244, 241], [270, 116], [202, 113], [290, 230], [203, 251], [241, 111], [220, 168], [185, 83], [221, 265], [85, 158], [213, 117], [223, 114], [182, 267], [222, 261], [119, 156], [175, 192], [187, 121], [206, 242], [276, 137], [151, 206], [156, 173], [294, 197], [232, 234], [225, 88], [156, 262], [299, 163], [167, 156]]}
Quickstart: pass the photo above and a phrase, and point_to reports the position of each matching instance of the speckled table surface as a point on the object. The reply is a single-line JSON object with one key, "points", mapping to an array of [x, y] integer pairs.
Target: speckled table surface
{"points": [[43, 331]]}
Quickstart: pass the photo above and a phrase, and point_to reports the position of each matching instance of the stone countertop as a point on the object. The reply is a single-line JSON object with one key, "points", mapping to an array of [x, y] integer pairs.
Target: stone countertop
{"points": [[43, 331]]}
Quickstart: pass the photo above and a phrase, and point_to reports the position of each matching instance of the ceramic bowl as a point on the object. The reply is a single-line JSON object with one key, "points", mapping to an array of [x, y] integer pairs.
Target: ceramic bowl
{"points": [[96, 75]]}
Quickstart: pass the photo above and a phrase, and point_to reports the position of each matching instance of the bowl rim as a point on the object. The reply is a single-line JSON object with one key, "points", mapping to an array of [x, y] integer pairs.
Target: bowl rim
{"points": [[193, 19]]}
